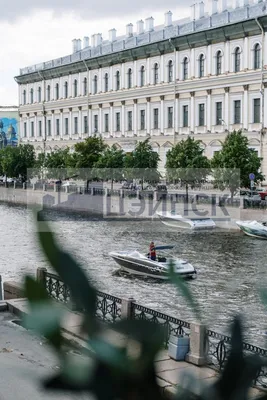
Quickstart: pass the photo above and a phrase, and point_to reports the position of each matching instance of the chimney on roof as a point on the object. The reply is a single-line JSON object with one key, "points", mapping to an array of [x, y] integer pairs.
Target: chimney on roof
{"points": [[85, 42], [149, 24], [199, 10], [168, 18], [93, 40], [112, 35], [212, 7], [79, 45], [98, 39], [74, 45], [222, 5], [193, 12], [140, 27], [129, 30]]}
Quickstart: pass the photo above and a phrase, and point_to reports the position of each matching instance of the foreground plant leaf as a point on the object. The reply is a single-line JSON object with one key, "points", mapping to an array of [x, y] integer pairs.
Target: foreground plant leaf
{"points": [[35, 291]]}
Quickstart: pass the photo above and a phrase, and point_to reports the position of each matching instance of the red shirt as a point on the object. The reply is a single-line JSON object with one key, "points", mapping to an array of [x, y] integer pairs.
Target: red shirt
{"points": [[152, 250]]}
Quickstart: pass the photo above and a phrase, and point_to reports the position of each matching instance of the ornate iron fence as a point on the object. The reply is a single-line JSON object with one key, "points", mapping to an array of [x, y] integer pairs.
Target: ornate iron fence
{"points": [[171, 325], [108, 308], [56, 288]]}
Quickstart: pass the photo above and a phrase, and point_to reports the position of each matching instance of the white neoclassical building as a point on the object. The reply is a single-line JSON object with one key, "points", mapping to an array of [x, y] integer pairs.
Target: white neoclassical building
{"points": [[201, 76]]}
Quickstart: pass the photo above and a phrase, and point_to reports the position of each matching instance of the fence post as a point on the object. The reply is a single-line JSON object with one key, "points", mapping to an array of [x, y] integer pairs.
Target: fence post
{"points": [[197, 355], [40, 274], [1, 288], [126, 307]]}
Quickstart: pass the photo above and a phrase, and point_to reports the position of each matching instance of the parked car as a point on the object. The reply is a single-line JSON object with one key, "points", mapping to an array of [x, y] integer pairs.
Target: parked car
{"points": [[262, 193], [69, 184]]}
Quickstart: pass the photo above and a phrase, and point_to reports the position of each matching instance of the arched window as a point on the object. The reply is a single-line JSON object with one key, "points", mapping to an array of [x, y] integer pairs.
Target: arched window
{"points": [[237, 59], [257, 56], [39, 94], [156, 73], [201, 66], [142, 76], [75, 88], [31, 95], [24, 97], [95, 84], [66, 94], [118, 80], [219, 63], [48, 93], [170, 71], [130, 75], [185, 68], [106, 82], [57, 91], [85, 87]]}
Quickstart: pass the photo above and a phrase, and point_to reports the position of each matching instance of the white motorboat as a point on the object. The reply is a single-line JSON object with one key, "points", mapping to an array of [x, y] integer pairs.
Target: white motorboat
{"points": [[253, 228], [179, 221], [136, 263]]}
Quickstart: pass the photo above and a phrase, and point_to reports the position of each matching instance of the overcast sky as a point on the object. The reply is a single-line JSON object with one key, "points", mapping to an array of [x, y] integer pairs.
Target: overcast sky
{"points": [[31, 34]]}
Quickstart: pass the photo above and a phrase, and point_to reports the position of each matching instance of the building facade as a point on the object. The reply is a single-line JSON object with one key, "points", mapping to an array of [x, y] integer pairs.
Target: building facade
{"points": [[203, 76]]}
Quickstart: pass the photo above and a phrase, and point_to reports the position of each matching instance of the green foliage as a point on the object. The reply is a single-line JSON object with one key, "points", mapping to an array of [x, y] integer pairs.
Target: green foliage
{"points": [[110, 164], [186, 163], [142, 163], [233, 164], [17, 161]]}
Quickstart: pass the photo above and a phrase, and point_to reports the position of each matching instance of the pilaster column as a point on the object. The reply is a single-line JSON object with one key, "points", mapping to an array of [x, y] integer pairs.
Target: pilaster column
{"points": [[123, 117], [148, 116], [28, 126], [176, 128], [227, 56], [111, 78], [100, 80], [162, 68], [135, 117], [162, 114], [135, 74], [90, 128], [80, 122], [246, 57], [209, 61], [264, 105], [70, 88], [192, 112], [61, 124], [70, 123], [111, 119], [148, 74], [226, 108], [208, 114], [245, 108], [192, 63], [53, 124], [35, 125], [100, 118], [122, 76], [44, 127]]}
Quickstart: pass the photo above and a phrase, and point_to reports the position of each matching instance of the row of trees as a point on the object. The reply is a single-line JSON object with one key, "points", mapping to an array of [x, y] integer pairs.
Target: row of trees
{"points": [[185, 162]]}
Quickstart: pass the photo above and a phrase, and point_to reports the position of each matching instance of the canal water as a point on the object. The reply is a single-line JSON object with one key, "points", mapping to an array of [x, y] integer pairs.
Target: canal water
{"points": [[231, 267]]}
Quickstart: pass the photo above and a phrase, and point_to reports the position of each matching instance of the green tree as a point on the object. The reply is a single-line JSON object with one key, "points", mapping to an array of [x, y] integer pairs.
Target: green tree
{"points": [[18, 161], [142, 163], [233, 164], [187, 163], [57, 162], [85, 157], [110, 164]]}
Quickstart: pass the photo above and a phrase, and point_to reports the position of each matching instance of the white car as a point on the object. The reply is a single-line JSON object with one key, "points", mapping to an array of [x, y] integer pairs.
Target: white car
{"points": [[68, 184]]}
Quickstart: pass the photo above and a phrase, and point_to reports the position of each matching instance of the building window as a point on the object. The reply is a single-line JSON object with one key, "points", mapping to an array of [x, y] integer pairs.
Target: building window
{"points": [[66, 90], [57, 91], [106, 123], [170, 71], [32, 129], [118, 81], [257, 56], [24, 97], [185, 116], [31, 96], [130, 74], [142, 120], [25, 129], [185, 68], [219, 63], [219, 113], [106, 82], [57, 127], [39, 94], [118, 122], [201, 66], [201, 114], [95, 123], [156, 118], [95, 84], [48, 93], [66, 126], [237, 59], [49, 127], [130, 120], [142, 76], [75, 125], [75, 88], [85, 87], [40, 128], [237, 112], [156, 73], [256, 111], [85, 124], [170, 117]]}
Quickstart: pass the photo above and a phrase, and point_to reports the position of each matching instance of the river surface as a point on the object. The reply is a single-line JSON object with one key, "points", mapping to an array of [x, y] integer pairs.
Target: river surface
{"points": [[231, 266]]}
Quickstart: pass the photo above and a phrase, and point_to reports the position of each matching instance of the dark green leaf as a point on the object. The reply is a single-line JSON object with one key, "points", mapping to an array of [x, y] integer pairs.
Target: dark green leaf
{"points": [[109, 354], [34, 291]]}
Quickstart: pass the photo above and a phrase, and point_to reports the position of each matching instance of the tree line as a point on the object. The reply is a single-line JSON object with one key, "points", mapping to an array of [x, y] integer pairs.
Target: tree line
{"points": [[93, 159]]}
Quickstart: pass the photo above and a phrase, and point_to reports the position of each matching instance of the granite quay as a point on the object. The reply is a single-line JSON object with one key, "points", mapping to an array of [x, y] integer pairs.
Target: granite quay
{"points": [[207, 349]]}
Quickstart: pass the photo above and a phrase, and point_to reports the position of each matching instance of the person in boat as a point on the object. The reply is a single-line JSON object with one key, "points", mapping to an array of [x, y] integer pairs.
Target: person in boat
{"points": [[152, 251]]}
